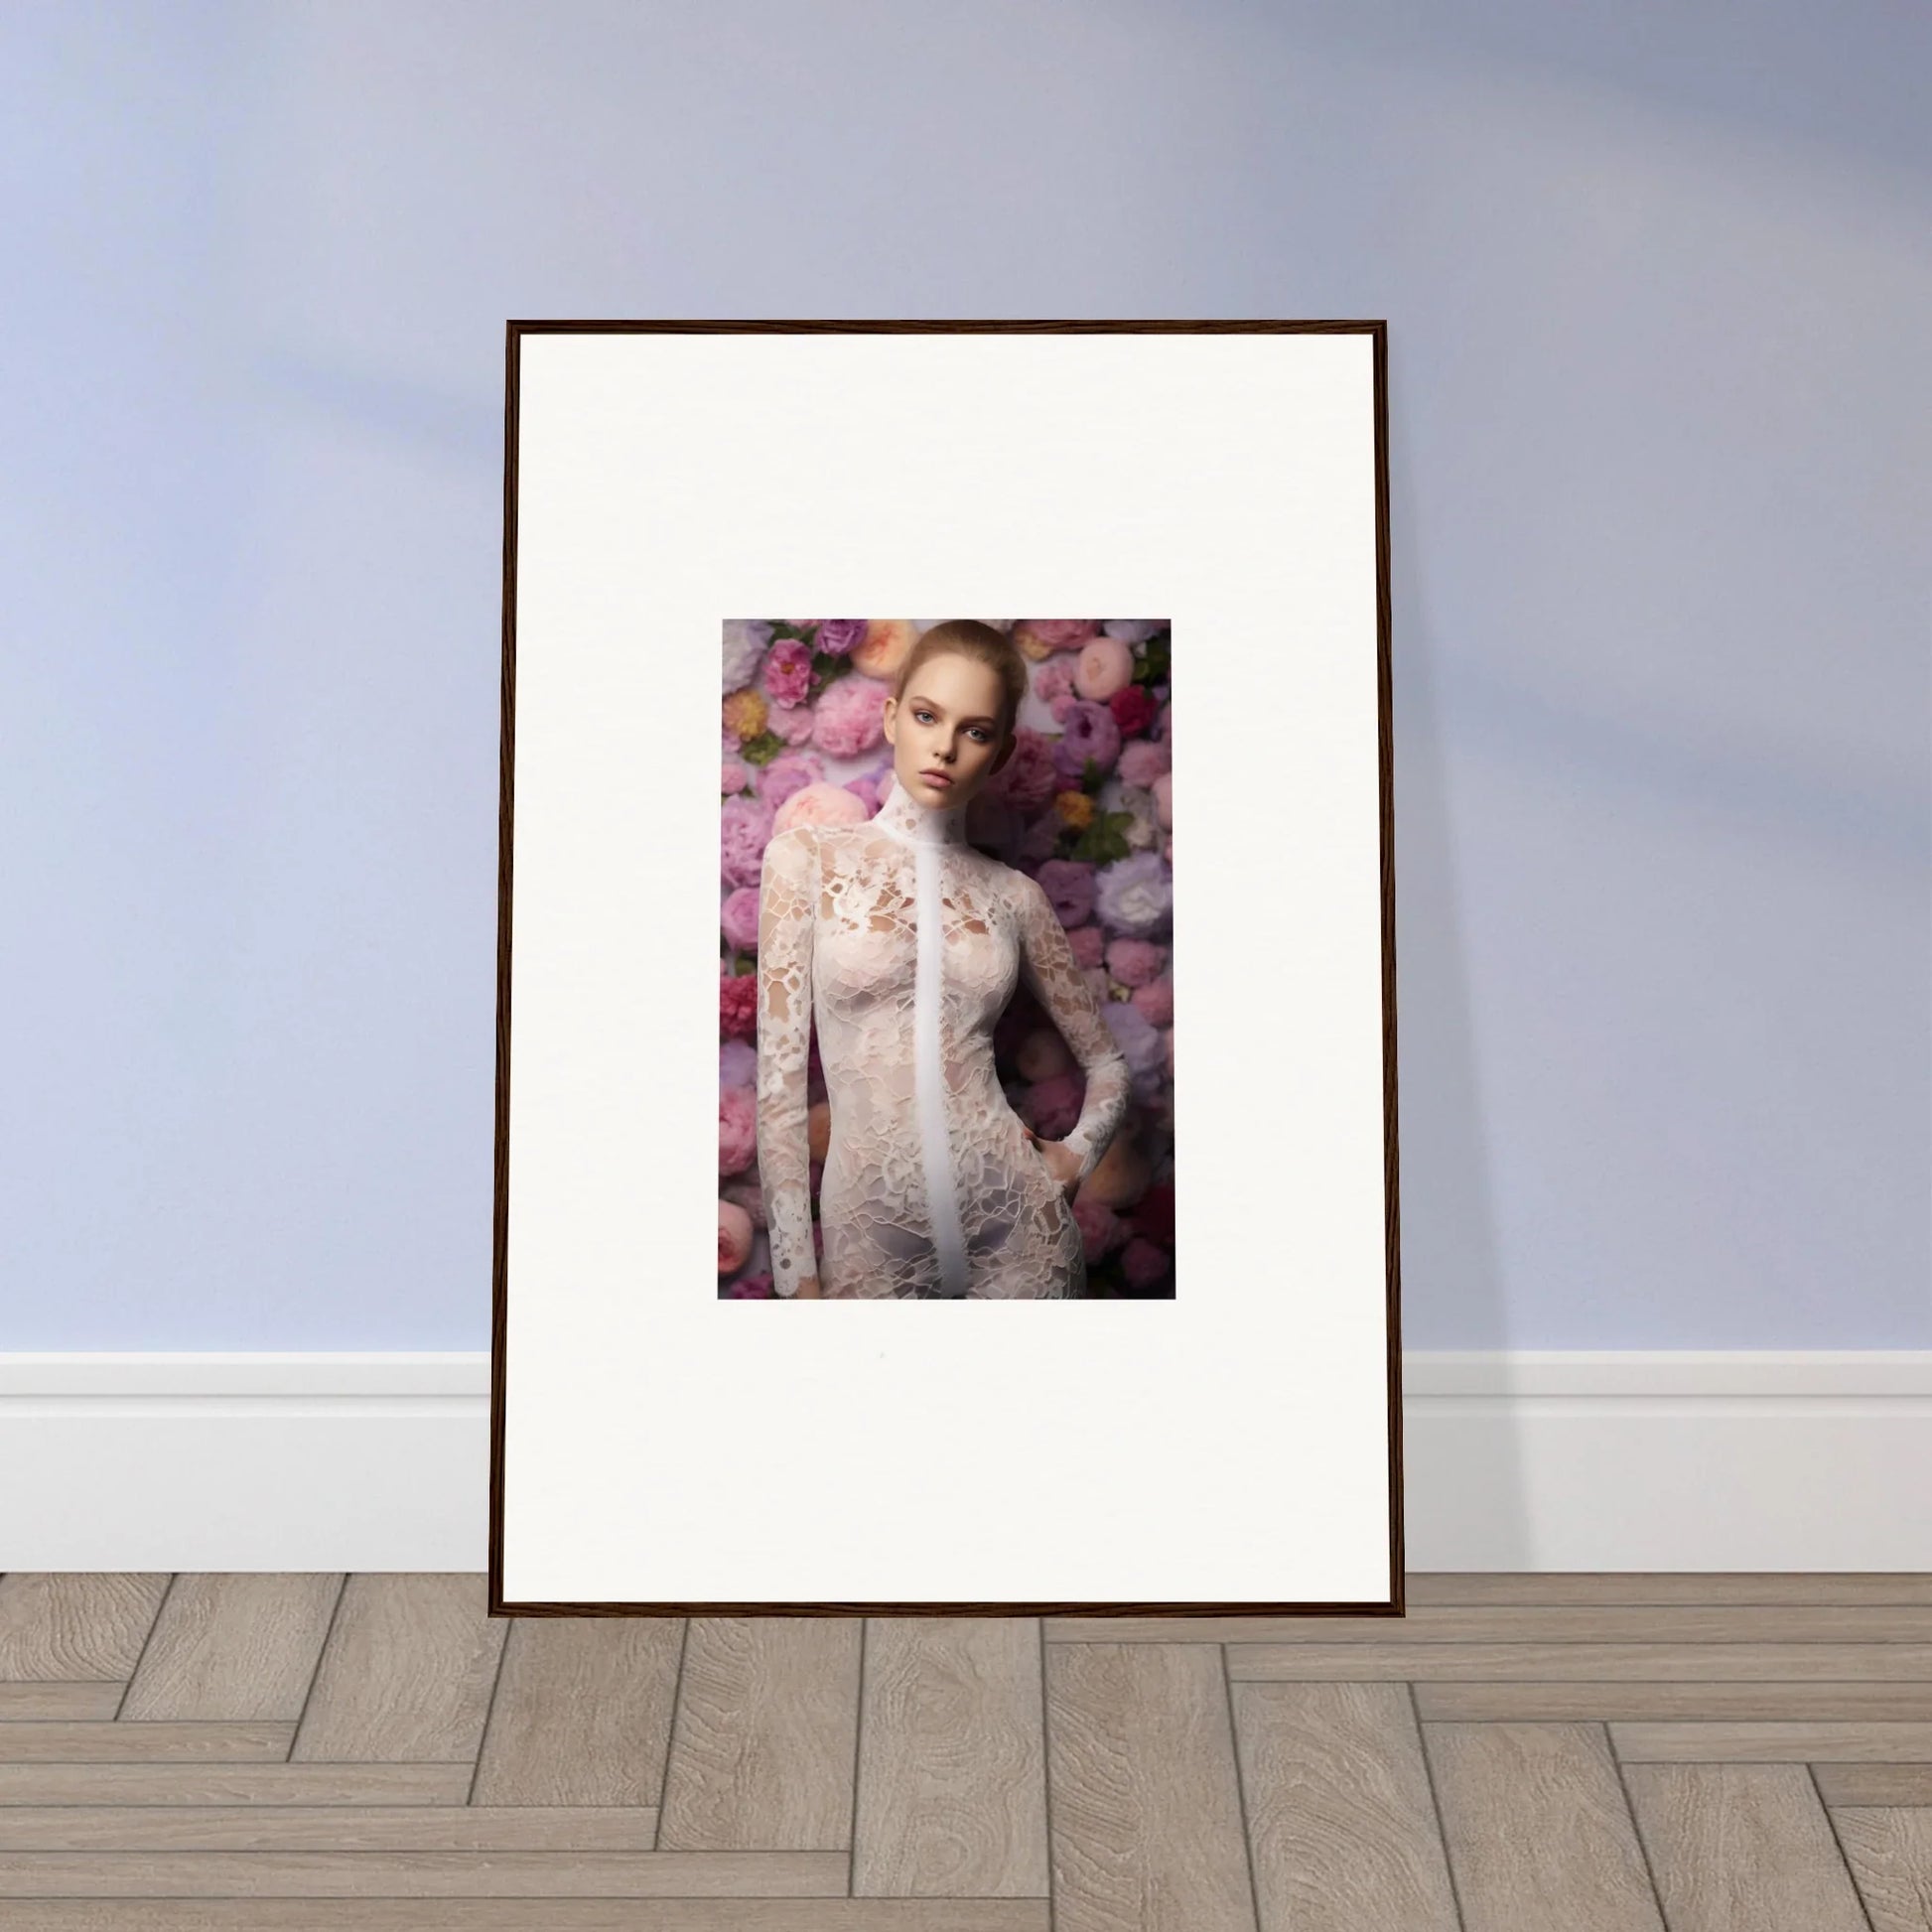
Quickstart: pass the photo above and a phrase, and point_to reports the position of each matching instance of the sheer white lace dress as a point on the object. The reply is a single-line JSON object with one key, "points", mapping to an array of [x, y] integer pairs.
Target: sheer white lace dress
{"points": [[906, 946]]}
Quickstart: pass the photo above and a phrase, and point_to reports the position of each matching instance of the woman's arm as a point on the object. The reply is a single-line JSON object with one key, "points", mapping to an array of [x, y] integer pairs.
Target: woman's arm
{"points": [[788, 911], [1054, 976]]}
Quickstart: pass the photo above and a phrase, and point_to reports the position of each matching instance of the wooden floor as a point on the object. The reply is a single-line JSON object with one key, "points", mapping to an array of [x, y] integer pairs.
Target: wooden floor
{"points": [[1537, 1753]]}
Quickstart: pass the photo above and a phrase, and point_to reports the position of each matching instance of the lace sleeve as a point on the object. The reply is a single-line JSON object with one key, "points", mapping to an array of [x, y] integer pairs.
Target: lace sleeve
{"points": [[787, 911], [1053, 975]]}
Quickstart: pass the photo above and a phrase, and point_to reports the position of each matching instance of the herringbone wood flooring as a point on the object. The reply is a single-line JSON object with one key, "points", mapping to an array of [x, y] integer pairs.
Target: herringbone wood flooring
{"points": [[1532, 1753]]}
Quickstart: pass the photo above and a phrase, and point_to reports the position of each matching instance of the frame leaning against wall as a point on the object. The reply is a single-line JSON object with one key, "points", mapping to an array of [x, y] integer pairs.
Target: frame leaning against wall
{"points": [[517, 333]]}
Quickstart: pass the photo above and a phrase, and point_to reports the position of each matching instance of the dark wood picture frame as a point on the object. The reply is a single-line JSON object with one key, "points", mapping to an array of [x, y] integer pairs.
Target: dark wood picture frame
{"points": [[516, 330]]}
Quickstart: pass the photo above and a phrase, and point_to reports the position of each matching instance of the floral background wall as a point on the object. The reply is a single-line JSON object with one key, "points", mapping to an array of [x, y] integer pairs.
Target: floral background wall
{"points": [[1085, 805]]}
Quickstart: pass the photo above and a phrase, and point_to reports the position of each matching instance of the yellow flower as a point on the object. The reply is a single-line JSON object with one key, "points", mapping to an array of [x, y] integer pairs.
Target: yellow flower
{"points": [[745, 714], [1075, 807]]}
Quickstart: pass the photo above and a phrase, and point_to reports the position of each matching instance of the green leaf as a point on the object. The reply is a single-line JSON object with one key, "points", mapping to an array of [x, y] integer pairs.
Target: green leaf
{"points": [[1151, 660], [1091, 776], [762, 748]]}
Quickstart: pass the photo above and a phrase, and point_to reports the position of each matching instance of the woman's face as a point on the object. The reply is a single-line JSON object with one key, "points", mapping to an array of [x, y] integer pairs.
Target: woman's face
{"points": [[945, 733]]}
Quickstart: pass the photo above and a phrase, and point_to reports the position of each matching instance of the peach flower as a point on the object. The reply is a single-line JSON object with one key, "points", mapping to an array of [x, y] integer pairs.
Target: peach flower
{"points": [[1105, 666], [1120, 1177], [734, 1237], [887, 641], [1043, 1055], [823, 804]]}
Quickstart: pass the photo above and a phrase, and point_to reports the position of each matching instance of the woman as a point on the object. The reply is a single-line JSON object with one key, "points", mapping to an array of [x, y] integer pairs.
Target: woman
{"points": [[907, 944]]}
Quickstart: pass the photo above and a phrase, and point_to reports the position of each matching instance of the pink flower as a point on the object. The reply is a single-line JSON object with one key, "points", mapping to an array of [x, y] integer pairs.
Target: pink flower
{"points": [[1155, 1001], [737, 1006], [1163, 789], [1059, 633], [1136, 962], [1068, 883], [750, 1288], [1053, 1105], [823, 804], [850, 717], [738, 1063], [1053, 680], [789, 772], [1143, 760], [1143, 1263], [745, 829], [735, 776], [1062, 707], [738, 916], [794, 725], [1100, 1227], [789, 672], [1028, 778], [734, 1237], [1088, 943], [738, 1129], [1104, 666]]}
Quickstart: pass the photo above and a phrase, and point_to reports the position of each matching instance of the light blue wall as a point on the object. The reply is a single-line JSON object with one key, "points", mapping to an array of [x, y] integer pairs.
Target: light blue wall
{"points": [[1659, 284]]}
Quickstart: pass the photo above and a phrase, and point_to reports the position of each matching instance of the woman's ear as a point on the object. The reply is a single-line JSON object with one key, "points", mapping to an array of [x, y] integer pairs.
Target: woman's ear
{"points": [[886, 717]]}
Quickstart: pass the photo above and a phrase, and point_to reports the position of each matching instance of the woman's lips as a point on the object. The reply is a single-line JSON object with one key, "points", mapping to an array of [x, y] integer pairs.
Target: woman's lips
{"points": [[935, 777]]}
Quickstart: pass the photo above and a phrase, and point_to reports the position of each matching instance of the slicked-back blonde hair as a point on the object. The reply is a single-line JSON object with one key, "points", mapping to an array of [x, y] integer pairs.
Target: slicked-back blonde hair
{"points": [[969, 637]]}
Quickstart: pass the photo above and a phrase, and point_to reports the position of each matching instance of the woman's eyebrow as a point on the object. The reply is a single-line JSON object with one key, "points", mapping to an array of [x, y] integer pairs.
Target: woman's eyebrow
{"points": [[982, 719]]}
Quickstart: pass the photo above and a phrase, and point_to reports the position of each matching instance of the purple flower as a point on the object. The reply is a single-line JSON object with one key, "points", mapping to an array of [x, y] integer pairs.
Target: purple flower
{"points": [[789, 772], [838, 635], [744, 642], [738, 1063], [1068, 883], [738, 918], [749, 1288], [1133, 631], [1140, 1040], [1136, 894], [1087, 732]]}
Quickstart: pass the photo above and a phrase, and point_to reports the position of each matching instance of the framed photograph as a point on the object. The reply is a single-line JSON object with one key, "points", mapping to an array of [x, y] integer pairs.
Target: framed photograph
{"points": [[979, 1036]]}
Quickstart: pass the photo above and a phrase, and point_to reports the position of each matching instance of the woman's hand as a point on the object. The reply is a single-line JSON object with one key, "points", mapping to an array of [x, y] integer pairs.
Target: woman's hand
{"points": [[808, 1289], [1061, 1162]]}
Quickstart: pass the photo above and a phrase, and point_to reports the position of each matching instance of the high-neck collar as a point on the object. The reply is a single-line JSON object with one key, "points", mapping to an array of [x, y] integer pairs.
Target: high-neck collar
{"points": [[906, 818]]}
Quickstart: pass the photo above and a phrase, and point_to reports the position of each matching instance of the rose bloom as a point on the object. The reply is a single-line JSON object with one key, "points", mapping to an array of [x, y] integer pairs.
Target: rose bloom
{"points": [[789, 672], [737, 1006], [1053, 680], [1133, 709], [823, 804], [884, 649], [1105, 666], [1143, 760], [850, 717], [788, 772], [1136, 962], [734, 1237], [837, 635], [738, 1129], [1088, 945], [1134, 894], [744, 828], [737, 917]]}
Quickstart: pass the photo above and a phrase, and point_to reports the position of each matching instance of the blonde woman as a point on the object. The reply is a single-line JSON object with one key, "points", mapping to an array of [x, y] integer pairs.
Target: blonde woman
{"points": [[907, 944]]}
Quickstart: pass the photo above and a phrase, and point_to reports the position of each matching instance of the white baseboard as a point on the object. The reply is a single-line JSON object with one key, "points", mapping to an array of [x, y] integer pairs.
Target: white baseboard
{"points": [[1527, 1460]]}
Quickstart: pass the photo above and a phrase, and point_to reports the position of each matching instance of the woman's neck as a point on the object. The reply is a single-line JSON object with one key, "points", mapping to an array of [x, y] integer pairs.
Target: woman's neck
{"points": [[906, 818]]}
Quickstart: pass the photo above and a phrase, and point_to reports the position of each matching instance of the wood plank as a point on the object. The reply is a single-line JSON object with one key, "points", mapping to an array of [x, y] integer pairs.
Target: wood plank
{"points": [[1771, 1743], [326, 1828], [952, 1760], [763, 1738], [1889, 1851], [1585, 1699], [1875, 1785], [583, 1712], [1528, 1623], [1708, 1663], [1537, 1830], [1144, 1791], [1427, 1586], [1340, 1820], [96, 1699], [29, 1742], [424, 1874], [77, 1623], [1741, 1845], [238, 1646], [273, 1783], [527, 1915], [407, 1673]]}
